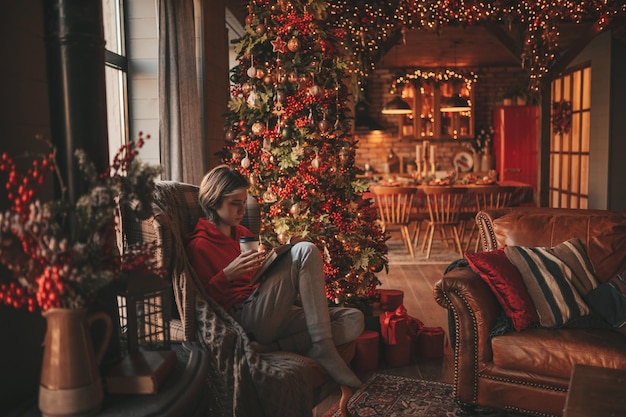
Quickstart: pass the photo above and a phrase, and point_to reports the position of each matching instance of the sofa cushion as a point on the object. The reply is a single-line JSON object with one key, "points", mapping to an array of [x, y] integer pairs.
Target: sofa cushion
{"points": [[557, 278], [553, 352], [506, 283], [608, 300]]}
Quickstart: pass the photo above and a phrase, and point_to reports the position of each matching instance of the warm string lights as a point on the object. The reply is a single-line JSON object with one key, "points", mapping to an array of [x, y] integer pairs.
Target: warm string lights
{"points": [[368, 26], [443, 75]]}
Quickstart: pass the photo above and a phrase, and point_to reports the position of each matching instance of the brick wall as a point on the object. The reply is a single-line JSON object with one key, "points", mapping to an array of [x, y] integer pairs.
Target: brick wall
{"points": [[374, 147]]}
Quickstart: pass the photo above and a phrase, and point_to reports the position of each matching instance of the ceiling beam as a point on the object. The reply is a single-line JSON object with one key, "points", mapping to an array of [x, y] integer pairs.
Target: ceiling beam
{"points": [[576, 47], [505, 39]]}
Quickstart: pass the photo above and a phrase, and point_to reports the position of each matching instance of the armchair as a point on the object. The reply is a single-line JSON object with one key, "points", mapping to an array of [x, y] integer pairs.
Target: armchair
{"points": [[241, 381], [529, 370]]}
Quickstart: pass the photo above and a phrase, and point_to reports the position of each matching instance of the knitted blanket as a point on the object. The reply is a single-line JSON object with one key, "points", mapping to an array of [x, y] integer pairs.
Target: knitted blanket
{"points": [[241, 382]]}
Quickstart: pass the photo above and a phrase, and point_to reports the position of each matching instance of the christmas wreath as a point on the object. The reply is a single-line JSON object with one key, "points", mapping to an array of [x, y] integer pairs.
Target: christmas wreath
{"points": [[561, 117]]}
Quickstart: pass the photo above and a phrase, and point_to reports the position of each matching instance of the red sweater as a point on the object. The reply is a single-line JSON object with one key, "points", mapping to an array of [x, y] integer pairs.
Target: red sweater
{"points": [[209, 252]]}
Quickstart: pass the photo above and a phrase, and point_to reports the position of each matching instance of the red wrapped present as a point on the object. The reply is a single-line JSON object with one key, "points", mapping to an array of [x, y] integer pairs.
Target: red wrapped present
{"points": [[366, 353], [431, 342], [398, 354], [415, 327], [394, 325], [391, 299]]}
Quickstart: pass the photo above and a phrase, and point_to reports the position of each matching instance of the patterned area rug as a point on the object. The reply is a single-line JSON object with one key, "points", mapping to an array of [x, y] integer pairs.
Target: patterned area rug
{"points": [[396, 396]]}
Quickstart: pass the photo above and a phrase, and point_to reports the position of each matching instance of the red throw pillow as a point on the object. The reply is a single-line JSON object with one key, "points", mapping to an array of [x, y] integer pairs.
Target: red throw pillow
{"points": [[505, 281]]}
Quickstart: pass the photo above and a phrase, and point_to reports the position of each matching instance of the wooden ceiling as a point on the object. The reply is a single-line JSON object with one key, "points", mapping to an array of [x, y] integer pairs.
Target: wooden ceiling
{"points": [[479, 46], [473, 46]]}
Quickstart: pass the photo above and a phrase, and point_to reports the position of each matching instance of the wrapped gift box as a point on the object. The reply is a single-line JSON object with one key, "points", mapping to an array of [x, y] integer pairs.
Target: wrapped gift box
{"points": [[394, 326], [366, 353], [399, 354], [391, 299], [431, 342]]}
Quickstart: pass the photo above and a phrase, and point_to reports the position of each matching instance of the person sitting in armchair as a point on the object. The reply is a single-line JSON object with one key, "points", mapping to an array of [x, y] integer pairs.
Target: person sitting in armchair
{"points": [[268, 310]]}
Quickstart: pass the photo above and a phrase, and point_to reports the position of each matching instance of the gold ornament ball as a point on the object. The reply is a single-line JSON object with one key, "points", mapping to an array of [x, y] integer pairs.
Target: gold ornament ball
{"points": [[323, 126], [295, 209], [260, 73], [246, 87], [293, 44], [258, 128], [316, 90], [283, 237], [249, 19], [260, 30]]}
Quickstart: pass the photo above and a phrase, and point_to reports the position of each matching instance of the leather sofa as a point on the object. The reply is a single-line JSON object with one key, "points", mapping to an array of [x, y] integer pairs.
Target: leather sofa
{"points": [[529, 370]]}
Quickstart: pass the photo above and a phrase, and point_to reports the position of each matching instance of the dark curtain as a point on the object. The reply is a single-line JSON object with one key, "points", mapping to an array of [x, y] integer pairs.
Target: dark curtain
{"points": [[182, 146]]}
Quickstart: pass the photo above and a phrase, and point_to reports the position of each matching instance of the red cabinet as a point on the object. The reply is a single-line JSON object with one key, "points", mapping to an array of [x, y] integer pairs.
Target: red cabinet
{"points": [[516, 143]]}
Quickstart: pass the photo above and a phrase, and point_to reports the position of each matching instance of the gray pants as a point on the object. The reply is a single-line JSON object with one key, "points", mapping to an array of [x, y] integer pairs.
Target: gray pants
{"points": [[290, 304]]}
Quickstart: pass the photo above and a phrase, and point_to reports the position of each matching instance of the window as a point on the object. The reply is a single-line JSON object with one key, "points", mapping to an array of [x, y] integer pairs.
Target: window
{"points": [[569, 140], [115, 74]]}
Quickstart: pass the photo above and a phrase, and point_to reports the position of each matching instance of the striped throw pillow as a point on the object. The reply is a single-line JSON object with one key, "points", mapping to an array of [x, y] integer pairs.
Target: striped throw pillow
{"points": [[557, 279]]}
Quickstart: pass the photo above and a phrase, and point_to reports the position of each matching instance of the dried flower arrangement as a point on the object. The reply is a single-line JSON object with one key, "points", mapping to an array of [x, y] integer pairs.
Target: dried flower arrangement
{"points": [[59, 253]]}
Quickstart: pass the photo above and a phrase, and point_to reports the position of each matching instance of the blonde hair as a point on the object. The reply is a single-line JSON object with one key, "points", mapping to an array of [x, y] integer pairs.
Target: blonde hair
{"points": [[218, 183]]}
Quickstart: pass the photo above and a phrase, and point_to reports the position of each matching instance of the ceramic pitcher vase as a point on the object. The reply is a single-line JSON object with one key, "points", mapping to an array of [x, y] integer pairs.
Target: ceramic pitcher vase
{"points": [[70, 382]]}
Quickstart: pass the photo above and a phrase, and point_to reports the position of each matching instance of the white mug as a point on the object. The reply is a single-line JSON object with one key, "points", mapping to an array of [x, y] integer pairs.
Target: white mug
{"points": [[248, 243]]}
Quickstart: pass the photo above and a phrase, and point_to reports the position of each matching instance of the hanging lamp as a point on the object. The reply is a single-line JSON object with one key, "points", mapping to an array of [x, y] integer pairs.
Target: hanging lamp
{"points": [[397, 106], [456, 103]]}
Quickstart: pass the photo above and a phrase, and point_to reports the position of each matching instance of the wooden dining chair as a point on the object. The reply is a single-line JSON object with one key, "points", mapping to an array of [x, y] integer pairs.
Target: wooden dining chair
{"points": [[444, 207], [489, 197], [395, 208]]}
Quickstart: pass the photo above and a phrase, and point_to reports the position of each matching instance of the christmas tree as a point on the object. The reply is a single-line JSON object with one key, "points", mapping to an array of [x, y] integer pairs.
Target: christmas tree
{"points": [[288, 129]]}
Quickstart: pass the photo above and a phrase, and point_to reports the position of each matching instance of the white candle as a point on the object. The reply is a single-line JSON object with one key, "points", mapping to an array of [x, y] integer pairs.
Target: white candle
{"points": [[418, 153], [433, 148]]}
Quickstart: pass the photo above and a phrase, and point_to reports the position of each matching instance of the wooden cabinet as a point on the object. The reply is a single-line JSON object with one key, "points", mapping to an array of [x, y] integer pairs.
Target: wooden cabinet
{"points": [[434, 115]]}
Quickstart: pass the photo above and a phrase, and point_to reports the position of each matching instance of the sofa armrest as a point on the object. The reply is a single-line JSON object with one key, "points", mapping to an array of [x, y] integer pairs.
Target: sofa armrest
{"points": [[475, 310]]}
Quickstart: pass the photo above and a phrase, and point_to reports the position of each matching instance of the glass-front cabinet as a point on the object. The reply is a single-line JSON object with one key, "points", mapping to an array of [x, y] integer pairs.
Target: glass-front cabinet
{"points": [[441, 109]]}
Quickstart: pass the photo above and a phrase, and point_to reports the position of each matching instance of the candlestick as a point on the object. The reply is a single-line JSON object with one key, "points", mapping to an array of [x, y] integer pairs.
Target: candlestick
{"points": [[418, 153], [433, 148]]}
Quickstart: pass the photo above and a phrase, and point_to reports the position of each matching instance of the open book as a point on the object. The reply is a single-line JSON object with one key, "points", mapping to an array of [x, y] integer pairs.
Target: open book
{"points": [[270, 259]]}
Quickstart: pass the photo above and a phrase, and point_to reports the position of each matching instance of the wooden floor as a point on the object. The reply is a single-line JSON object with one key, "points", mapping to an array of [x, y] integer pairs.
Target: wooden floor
{"points": [[416, 277]]}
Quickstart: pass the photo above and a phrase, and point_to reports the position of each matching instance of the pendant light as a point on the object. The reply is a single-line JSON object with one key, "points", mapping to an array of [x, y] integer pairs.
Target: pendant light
{"points": [[456, 103], [397, 105]]}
